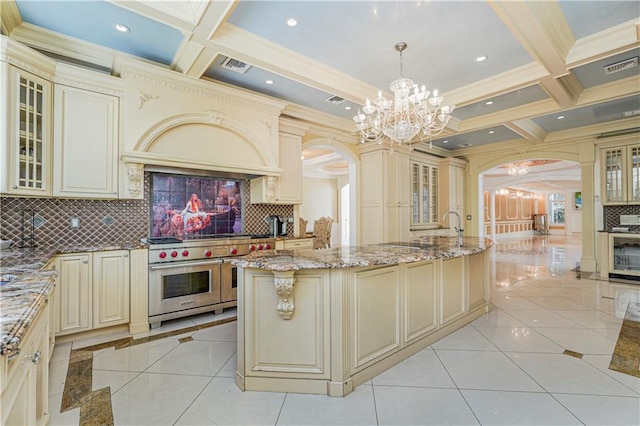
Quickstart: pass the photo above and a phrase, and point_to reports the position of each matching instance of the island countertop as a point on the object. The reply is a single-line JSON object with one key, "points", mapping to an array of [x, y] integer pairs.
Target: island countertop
{"points": [[414, 250]]}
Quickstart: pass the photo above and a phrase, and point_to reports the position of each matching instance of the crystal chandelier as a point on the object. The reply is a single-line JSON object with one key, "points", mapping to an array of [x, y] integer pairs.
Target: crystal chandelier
{"points": [[410, 112], [518, 168]]}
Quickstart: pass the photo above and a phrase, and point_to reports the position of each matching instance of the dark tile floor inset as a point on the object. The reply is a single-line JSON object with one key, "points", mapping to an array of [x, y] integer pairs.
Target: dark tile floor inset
{"points": [[626, 355]]}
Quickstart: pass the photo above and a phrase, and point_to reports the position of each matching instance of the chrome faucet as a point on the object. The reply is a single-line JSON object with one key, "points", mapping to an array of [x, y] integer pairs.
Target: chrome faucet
{"points": [[458, 228]]}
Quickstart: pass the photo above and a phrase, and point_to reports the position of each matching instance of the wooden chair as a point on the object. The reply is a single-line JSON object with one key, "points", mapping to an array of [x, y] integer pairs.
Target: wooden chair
{"points": [[322, 232], [302, 228]]}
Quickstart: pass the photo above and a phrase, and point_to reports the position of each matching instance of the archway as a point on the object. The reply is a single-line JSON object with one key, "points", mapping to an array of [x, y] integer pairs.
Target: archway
{"points": [[330, 168]]}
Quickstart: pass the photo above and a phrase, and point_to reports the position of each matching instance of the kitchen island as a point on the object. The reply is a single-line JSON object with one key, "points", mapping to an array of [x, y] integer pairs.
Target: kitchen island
{"points": [[325, 321]]}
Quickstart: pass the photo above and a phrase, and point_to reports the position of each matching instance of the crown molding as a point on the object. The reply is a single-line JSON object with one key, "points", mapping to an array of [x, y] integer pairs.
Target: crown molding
{"points": [[93, 81], [499, 84], [527, 129], [592, 132], [615, 90], [541, 29], [522, 112], [181, 15], [224, 93], [25, 58], [606, 43], [247, 47], [10, 17]]}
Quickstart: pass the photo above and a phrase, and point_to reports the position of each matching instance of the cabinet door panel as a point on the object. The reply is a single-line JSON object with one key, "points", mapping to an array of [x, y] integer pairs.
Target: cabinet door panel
{"points": [[86, 135], [29, 124], [73, 296], [452, 291], [419, 300], [110, 288]]}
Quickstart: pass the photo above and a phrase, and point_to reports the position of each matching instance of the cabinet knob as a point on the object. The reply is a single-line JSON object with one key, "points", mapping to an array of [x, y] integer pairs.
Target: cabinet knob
{"points": [[85, 260], [126, 255]]}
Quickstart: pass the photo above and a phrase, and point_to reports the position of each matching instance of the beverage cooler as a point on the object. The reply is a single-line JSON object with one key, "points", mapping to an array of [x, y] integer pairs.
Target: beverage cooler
{"points": [[624, 254]]}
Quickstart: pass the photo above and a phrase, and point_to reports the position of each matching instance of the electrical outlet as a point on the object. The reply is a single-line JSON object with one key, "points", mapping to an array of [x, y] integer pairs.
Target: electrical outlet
{"points": [[75, 222], [468, 217]]}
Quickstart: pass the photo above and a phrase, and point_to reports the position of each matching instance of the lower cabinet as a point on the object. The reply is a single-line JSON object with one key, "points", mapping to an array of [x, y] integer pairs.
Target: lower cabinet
{"points": [[93, 291], [452, 289], [25, 377]]}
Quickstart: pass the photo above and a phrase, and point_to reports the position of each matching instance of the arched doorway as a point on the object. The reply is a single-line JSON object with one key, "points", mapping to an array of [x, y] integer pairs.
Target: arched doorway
{"points": [[531, 196], [330, 188]]}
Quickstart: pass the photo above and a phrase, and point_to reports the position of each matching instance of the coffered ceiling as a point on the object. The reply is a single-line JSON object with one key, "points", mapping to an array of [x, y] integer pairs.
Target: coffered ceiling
{"points": [[542, 79]]}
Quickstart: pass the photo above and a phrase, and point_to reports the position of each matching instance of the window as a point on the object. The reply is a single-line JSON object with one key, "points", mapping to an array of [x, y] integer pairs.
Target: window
{"points": [[556, 208], [424, 194]]}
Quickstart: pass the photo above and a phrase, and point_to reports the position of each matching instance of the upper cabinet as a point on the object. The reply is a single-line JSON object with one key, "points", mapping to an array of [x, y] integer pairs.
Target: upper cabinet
{"points": [[287, 188], [85, 157], [621, 174], [28, 138]]}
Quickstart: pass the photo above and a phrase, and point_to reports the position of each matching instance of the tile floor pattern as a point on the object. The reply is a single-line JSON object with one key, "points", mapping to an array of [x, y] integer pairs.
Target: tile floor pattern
{"points": [[507, 367]]}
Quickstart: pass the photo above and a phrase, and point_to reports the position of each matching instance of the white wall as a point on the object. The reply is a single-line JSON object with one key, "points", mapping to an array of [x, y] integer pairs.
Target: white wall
{"points": [[319, 199]]}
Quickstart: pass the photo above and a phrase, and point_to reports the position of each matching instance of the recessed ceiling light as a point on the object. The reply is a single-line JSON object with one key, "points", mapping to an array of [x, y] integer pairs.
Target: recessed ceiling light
{"points": [[122, 28], [489, 103], [302, 157], [481, 58], [269, 81], [292, 22], [347, 108], [491, 132], [560, 117], [445, 141]]}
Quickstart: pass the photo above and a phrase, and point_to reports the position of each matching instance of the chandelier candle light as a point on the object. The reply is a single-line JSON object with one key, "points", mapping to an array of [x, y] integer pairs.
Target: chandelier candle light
{"points": [[518, 168], [410, 112]]}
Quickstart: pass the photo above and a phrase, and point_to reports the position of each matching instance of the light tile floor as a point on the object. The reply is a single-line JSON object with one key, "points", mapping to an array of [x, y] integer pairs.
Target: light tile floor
{"points": [[506, 367]]}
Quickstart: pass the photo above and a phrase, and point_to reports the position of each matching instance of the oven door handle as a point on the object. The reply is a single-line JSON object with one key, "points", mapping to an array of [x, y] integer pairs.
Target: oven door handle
{"points": [[182, 265]]}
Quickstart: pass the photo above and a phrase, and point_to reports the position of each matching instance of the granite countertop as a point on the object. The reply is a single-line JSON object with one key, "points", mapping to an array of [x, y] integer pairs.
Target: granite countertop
{"points": [[25, 286], [425, 248]]}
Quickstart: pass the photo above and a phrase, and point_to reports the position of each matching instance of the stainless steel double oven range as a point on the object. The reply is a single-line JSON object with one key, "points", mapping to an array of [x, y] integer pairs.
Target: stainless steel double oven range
{"points": [[195, 276]]}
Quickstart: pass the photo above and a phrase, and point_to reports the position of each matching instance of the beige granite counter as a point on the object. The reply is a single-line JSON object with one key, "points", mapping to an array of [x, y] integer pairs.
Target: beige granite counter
{"points": [[415, 250], [25, 287]]}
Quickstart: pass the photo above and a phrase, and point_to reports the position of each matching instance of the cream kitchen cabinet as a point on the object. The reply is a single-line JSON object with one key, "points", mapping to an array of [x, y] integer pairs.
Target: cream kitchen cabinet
{"points": [[287, 188], [297, 243], [453, 297], [26, 149], [93, 291], [110, 288], [85, 156], [25, 377], [621, 174], [72, 303]]}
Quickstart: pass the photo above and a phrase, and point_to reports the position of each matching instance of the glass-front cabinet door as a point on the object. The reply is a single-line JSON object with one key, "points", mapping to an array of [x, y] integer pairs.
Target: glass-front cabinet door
{"points": [[29, 136], [634, 173], [614, 190]]}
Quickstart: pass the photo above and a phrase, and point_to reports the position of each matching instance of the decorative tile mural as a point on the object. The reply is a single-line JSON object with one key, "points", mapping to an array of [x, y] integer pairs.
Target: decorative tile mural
{"points": [[104, 221]]}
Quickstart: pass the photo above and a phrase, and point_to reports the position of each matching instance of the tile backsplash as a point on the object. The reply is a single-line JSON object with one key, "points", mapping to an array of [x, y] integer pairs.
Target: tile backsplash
{"points": [[612, 216], [103, 221]]}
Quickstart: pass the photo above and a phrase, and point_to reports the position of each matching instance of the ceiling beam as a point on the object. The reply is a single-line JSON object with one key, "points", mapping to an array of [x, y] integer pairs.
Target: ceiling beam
{"points": [[10, 17], [527, 129], [606, 43], [542, 30]]}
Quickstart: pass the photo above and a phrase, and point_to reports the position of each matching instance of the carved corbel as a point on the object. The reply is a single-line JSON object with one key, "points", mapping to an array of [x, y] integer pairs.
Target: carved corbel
{"points": [[135, 175], [284, 287]]}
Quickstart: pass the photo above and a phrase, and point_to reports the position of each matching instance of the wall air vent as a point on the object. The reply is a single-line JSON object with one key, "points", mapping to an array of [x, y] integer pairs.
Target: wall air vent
{"points": [[335, 100], [621, 66], [235, 65]]}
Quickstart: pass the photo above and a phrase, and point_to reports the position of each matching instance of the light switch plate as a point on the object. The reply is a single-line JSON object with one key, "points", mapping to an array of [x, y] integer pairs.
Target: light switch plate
{"points": [[75, 222]]}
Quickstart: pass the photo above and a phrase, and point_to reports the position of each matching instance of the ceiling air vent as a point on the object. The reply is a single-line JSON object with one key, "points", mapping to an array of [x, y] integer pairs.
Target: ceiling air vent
{"points": [[235, 65], [335, 100], [621, 66]]}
